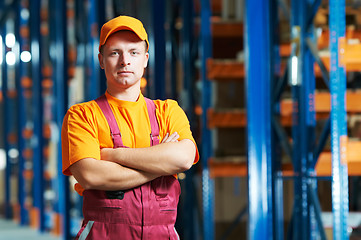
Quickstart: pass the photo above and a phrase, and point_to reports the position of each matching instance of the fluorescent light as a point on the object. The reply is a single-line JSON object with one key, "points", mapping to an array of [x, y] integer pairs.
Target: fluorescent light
{"points": [[2, 159], [10, 40], [10, 58], [25, 56], [294, 71]]}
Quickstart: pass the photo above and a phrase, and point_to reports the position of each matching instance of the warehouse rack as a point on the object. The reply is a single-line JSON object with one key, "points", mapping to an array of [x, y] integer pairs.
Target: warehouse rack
{"points": [[309, 105], [64, 70], [63, 38], [10, 138]]}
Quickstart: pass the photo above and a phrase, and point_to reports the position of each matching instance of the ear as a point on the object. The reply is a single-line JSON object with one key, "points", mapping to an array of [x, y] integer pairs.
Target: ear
{"points": [[146, 60], [100, 58]]}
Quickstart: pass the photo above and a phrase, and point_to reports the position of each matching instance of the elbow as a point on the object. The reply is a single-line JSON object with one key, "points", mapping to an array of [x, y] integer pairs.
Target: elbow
{"points": [[87, 182], [86, 186], [186, 155], [94, 181], [186, 162], [88, 175], [178, 165]]}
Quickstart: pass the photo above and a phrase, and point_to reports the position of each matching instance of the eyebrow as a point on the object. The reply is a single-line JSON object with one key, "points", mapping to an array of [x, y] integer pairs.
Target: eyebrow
{"points": [[131, 49]]}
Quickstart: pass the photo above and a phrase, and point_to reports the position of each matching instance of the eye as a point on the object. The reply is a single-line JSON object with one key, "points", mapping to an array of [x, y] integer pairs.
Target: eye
{"points": [[134, 52], [114, 53]]}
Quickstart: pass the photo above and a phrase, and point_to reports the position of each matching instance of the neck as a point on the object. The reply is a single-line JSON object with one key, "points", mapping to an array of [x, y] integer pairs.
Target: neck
{"points": [[124, 94]]}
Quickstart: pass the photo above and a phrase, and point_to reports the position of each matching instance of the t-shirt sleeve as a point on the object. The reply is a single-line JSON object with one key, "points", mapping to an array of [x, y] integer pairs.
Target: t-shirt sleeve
{"points": [[177, 121], [79, 137]]}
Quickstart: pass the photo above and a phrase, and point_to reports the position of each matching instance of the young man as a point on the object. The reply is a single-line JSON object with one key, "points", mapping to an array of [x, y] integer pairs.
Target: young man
{"points": [[125, 150]]}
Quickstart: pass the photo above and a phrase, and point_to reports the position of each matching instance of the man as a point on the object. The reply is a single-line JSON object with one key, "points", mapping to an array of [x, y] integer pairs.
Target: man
{"points": [[110, 146]]}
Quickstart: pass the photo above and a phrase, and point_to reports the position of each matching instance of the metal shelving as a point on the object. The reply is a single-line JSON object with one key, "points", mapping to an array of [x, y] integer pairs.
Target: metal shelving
{"points": [[38, 206], [301, 113], [62, 52]]}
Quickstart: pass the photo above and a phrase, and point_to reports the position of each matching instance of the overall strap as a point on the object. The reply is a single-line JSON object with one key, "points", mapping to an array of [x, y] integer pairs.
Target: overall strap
{"points": [[154, 140], [114, 128]]}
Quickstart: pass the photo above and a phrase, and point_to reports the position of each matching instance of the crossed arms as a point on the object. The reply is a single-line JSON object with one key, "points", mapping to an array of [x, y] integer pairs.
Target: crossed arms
{"points": [[125, 168]]}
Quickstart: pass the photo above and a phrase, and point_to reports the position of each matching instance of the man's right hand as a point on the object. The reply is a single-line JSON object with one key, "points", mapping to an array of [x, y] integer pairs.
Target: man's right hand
{"points": [[170, 138]]}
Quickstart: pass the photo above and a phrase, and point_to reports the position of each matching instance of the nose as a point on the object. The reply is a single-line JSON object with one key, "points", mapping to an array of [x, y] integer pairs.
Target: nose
{"points": [[124, 59]]}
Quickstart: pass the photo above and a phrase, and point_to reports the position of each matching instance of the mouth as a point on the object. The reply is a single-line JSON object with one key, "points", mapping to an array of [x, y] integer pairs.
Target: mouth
{"points": [[124, 72]]}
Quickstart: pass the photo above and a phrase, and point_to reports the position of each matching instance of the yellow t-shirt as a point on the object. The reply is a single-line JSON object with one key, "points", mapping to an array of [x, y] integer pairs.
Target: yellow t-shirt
{"points": [[85, 130]]}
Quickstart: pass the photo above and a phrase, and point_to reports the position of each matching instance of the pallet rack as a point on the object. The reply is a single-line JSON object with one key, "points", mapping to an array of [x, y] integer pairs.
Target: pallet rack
{"points": [[34, 136], [10, 132], [309, 105], [38, 214], [64, 61]]}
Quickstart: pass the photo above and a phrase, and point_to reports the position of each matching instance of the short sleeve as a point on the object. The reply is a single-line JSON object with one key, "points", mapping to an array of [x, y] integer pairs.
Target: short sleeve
{"points": [[79, 137]]}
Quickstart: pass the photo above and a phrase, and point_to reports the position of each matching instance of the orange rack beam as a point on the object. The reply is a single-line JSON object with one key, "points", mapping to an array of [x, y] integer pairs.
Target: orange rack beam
{"points": [[234, 70], [236, 118], [323, 166], [228, 69], [221, 28], [323, 41], [232, 118], [225, 69], [226, 29], [227, 168], [323, 103], [218, 168], [237, 166]]}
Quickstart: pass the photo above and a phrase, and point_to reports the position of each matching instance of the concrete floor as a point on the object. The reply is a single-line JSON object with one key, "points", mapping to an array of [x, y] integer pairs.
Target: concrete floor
{"points": [[10, 230]]}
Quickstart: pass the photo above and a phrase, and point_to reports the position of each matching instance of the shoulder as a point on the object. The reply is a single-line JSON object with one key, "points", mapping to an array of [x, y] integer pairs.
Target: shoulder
{"points": [[82, 110], [84, 106], [170, 109], [166, 105]]}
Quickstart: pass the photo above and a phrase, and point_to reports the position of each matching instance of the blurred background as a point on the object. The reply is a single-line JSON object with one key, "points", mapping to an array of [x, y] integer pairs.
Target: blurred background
{"points": [[271, 89]]}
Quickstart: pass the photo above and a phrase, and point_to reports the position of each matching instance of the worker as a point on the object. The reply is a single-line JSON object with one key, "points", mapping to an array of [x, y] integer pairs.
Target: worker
{"points": [[126, 150]]}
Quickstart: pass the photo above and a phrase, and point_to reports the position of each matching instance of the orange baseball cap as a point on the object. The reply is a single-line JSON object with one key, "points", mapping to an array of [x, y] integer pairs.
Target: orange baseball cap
{"points": [[122, 23]]}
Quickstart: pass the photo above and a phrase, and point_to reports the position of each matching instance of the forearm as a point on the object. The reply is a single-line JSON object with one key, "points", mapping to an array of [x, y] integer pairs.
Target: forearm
{"points": [[163, 159], [105, 175]]}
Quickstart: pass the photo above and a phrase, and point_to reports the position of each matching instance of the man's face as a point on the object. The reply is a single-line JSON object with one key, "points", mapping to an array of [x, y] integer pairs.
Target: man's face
{"points": [[123, 59]]}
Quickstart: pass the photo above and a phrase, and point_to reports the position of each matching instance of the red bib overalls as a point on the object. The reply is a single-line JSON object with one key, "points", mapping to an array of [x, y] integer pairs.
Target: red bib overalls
{"points": [[145, 212]]}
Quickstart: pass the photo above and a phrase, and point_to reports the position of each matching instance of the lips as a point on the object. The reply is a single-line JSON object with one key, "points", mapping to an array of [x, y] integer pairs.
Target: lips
{"points": [[124, 72]]}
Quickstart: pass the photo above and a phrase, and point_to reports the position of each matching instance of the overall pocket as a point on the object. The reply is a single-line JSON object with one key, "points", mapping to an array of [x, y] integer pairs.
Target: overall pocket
{"points": [[167, 191]]}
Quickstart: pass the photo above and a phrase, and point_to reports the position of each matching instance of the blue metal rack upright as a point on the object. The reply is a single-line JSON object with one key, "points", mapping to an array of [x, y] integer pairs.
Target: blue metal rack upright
{"points": [[157, 50], [60, 77], [24, 118], [306, 220], [302, 82], [338, 120], [7, 129], [9, 91], [206, 138], [259, 76], [38, 183], [188, 208], [171, 48], [92, 71], [187, 44]]}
